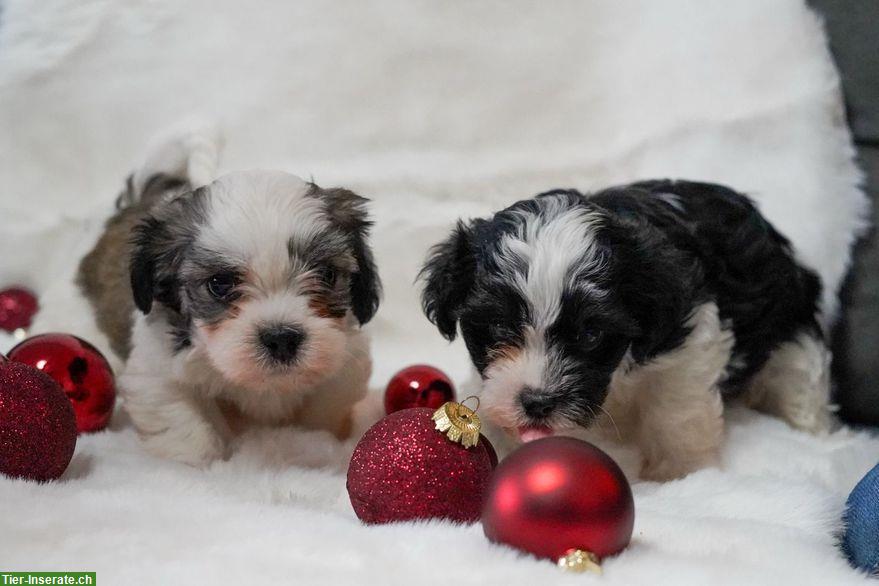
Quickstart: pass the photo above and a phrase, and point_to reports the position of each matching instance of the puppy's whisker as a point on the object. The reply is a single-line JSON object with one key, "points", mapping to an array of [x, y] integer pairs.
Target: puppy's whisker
{"points": [[594, 416], [616, 427]]}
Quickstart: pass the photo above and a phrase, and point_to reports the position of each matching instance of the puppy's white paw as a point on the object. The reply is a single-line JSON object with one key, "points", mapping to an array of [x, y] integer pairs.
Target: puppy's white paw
{"points": [[814, 419], [197, 445], [663, 470]]}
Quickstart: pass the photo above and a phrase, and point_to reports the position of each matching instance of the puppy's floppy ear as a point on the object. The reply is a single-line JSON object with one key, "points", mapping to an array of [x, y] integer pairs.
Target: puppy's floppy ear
{"points": [[656, 282], [158, 244], [142, 265], [347, 211], [449, 275]]}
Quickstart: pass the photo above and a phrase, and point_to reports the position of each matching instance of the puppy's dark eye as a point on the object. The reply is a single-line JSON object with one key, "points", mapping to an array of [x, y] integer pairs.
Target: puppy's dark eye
{"points": [[589, 338], [328, 276], [496, 329], [221, 285]]}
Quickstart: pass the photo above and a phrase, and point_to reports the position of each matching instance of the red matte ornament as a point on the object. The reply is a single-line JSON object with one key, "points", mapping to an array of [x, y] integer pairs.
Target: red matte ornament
{"points": [[559, 494], [419, 385], [17, 308], [37, 424], [81, 370], [404, 469]]}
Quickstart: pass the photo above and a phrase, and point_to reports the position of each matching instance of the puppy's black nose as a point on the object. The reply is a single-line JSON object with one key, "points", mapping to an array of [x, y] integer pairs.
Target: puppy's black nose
{"points": [[536, 404], [281, 342]]}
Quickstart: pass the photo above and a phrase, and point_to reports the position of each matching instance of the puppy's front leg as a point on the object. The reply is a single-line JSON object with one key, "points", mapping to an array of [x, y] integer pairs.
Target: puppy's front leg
{"points": [[173, 423], [681, 432], [679, 407]]}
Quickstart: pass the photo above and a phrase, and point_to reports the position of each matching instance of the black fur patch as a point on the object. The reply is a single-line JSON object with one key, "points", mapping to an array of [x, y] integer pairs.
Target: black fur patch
{"points": [[749, 267]]}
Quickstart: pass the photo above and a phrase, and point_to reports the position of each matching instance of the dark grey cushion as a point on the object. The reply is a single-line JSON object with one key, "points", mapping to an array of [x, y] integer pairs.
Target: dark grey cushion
{"points": [[856, 339], [853, 27]]}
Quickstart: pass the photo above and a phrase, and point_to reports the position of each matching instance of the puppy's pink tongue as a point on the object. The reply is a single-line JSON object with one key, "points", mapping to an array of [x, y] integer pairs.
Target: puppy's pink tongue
{"points": [[529, 433]]}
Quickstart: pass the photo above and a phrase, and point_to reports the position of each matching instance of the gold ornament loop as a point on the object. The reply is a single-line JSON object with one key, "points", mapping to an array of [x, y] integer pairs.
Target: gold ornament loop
{"points": [[459, 423], [579, 561], [475, 398]]}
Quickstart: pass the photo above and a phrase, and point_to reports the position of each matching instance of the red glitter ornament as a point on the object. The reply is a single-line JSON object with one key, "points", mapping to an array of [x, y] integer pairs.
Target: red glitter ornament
{"points": [[559, 494], [404, 469], [37, 425], [81, 370], [17, 308], [419, 385], [492, 454]]}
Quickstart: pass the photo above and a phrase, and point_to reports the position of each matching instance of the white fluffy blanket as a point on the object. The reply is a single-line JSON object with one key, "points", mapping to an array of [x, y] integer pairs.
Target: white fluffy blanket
{"points": [[434, 110]]}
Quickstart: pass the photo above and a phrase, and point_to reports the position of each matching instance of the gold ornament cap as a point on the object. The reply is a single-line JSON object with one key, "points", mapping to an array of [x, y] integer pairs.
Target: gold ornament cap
{"points": [[580, 561], [459, 423]]}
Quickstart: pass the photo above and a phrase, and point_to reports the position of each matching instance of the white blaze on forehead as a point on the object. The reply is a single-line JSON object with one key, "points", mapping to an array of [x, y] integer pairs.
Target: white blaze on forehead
{"points": [[547, 253], [252, 217]]}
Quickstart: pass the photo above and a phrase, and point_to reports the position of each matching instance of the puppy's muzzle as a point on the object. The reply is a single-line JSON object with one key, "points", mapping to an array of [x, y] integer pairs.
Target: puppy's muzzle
{"points": [[281, 342]]}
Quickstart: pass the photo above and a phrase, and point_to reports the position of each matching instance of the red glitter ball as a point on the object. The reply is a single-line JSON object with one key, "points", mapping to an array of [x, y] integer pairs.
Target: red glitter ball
{"points": [[556, 494], [404, 469], [37, 425], [81, 370], [492, 454], [17, 308], [419, 385]]}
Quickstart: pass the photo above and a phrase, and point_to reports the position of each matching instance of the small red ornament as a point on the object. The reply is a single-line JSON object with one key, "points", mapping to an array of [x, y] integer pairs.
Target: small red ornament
{"points": [[419, 385], [17, 308], [81, 370], [404, 469], [37, 424], [556, 496]]}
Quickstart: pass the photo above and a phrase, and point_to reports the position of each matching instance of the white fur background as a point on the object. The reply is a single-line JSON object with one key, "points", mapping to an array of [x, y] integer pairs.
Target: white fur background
{"points": [[434, 110]]}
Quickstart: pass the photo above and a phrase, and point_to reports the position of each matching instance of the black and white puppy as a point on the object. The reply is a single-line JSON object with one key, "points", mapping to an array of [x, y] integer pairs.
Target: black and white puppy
{"points": [[646, 304], [239, 300]]}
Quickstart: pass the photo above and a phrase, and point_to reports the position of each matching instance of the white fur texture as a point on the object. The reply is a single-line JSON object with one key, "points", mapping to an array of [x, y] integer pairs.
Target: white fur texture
{"points": [[433, 110], [551, 246]]}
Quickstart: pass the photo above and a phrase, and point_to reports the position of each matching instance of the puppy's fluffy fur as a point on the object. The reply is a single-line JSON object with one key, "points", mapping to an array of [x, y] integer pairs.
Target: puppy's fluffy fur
{"points": [[236, 301], [645, 305]]}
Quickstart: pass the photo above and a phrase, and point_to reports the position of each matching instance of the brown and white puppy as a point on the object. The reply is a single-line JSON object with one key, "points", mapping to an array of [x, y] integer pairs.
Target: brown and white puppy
{"points": [[244, 296]]}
